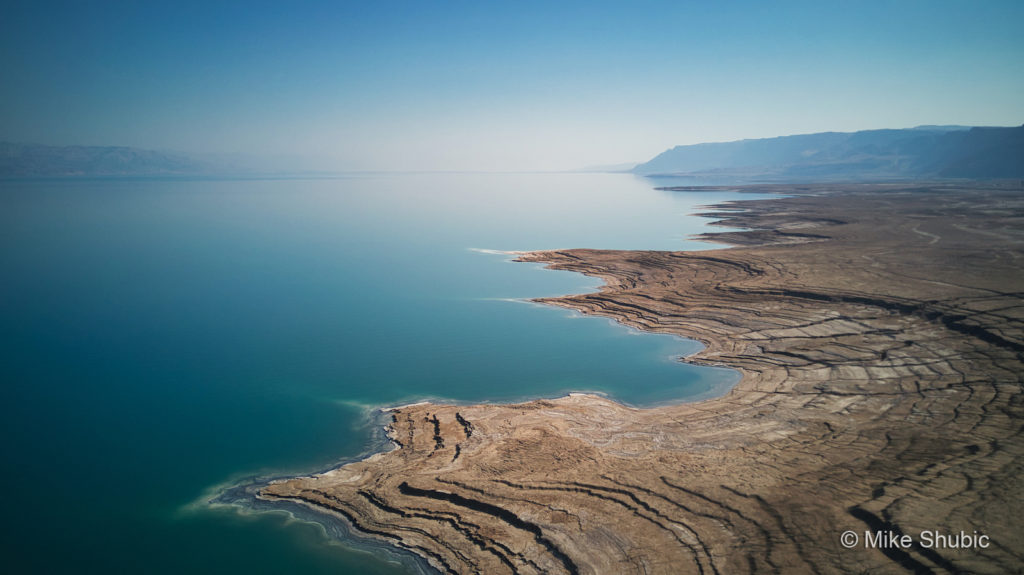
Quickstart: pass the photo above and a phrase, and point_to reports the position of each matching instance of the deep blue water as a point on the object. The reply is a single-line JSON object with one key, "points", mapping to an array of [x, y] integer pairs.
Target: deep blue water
{"points": [[162, 337]]}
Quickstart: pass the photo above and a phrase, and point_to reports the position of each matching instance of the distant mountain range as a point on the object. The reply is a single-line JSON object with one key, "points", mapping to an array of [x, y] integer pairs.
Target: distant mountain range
{"points": [[925, 151], [922, 152], [38, 160]]}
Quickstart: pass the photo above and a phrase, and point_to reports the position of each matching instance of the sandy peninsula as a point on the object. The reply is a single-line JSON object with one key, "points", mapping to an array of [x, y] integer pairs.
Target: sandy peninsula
{"points": [[878, 329]]}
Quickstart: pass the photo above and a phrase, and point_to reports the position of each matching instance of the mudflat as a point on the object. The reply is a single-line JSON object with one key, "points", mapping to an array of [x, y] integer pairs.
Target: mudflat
{"points": [[878, 329]]}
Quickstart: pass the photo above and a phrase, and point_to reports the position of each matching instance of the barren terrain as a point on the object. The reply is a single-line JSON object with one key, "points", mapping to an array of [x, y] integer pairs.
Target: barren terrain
{"points": [[878, 329]]}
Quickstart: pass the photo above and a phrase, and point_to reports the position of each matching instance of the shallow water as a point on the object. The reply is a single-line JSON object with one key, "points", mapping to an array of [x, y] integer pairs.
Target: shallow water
{"points": [[165, 336]]}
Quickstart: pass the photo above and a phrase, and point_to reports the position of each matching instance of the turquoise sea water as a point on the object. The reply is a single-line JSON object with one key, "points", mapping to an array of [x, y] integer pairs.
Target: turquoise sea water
{"points": [[162, 337]]}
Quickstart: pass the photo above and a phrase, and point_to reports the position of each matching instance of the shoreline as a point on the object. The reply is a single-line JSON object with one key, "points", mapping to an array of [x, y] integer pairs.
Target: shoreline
{"points": [[243, 496], [855, 377], [246, 495]]}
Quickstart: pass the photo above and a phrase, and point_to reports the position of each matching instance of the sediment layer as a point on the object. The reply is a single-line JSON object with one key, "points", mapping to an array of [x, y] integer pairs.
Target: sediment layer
{"points": [[878, 329]]}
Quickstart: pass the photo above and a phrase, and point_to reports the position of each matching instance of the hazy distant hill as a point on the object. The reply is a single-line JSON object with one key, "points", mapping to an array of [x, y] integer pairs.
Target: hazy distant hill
{"points": [[925, 151], [37, 160]]}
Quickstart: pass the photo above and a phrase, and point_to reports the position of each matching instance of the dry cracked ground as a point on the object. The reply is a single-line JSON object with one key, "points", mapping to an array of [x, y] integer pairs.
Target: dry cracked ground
{"points": [[878, 329]]}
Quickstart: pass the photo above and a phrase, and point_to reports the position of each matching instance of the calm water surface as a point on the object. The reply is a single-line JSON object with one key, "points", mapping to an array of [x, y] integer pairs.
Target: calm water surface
{"points": [[162, 337]]}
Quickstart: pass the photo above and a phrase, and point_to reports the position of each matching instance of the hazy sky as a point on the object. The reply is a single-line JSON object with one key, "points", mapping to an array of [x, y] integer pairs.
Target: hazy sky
{"points": [[474, 85]]}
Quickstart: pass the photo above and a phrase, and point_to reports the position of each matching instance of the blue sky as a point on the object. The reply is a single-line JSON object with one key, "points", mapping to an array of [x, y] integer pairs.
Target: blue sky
{"points": [[478, 85]]}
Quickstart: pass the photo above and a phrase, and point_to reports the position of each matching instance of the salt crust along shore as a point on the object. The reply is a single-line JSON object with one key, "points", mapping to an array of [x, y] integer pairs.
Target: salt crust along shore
{"points": [[878, 329]]}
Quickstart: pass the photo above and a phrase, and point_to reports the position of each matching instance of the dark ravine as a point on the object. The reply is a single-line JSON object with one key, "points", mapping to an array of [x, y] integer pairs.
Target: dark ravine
{"points": [[881, 353]]}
